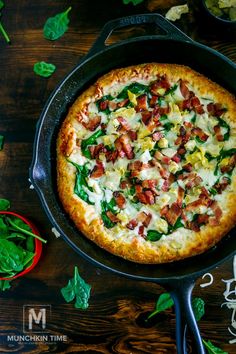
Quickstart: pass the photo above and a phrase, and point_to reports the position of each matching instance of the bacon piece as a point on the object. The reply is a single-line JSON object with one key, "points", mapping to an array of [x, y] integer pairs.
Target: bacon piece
{"points": [[219, 135], [202, 219], [222, 185], [141, 103], [181, 151], [149, 183], [132, 224], [215, 220], [95, 150], [193, 225], [203, 201], [146, 117], [197, 106], [120, 199], [230, 166], [98, 170], [161, 82], [111, 156], [204, 193], [200, 133], [176, 158], [184, 89], [188, 124], [123, 123], [193, 181], [165, 186], [132, 135], [144, 218], [135, 167], [180, 197], [153, 100], [125, 184], [163, 172], [215, 109], [188, 167], [173, 213], [150, 198], [93, 123], [157, 136], [164, 210], [103, 105], [141, 230], [123, 103], [123, 146], [145, 197], [166, 160], [112, 217], [112, 105]]}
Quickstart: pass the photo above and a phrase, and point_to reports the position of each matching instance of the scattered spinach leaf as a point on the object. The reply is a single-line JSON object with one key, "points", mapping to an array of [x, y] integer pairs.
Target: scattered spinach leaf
{"points": [[211, 349], [198, 305], [223, 124], [77, 289], [56, 26], [167, 126], [104, 98], [2, 30], [153, 235], [134, 2], [164, 302], [135, 88], [90, 141], [44, 69], [4, 204], [1, 142], [198, 140], [108, 207], [81, 182], [4, 285]]}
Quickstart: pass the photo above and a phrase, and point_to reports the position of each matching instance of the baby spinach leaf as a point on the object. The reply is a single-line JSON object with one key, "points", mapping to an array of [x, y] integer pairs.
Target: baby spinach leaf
{"points": [[1, 4], [44, 69], [135, 88], [11, 257], [4, 285], [1, 142], [198, 305], [223, 124], [211, 349], [153, 235], [4, 204], [164, 302], [19, 225], [2, 30], [134, 2], [56, 26], [30, 244], [4, 230], [81, 181], [77, 289], [90, 141], [108, 207]]}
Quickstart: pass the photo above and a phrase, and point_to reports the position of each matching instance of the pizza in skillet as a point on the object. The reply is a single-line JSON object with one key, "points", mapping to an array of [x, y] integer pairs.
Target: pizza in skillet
{"points": [[146, 162]]}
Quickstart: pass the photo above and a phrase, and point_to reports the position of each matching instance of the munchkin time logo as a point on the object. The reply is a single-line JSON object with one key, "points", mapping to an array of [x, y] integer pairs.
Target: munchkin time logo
{"points": [[35, 319]]}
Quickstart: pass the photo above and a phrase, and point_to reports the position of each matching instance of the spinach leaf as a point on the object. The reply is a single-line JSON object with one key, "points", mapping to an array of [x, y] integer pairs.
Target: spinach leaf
{"points": [[198, 305], [4, 204], [176, 226], [11, 257], [164, 302], [209, 156], [2, 30], [211, 349], [56, 26], [77, 289], [44, 69], [223, 124], [81, 181], [171, 90], [222, 155], [153, 235], [4, 230], [134, 2], [108, 207], [30, 244], [1, 142], [4, 285], [167, 126], [135, 87], [19, 225], [90, 141], [198, 140]]}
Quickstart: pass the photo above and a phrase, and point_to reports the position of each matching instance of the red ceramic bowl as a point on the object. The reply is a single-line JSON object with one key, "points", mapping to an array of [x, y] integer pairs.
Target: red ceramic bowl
{"points": [[38, 245]]}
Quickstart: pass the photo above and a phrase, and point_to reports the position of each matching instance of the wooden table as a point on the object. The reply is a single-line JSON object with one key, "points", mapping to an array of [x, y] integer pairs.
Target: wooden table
{"points": [[115, 319]]}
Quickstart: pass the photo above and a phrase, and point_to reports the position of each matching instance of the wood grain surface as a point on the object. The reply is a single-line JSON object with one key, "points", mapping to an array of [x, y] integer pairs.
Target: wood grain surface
{"points": [[115, 320]]}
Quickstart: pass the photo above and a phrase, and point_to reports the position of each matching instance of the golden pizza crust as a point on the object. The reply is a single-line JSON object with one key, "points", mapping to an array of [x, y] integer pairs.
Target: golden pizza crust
{"points": [[83, 215]]}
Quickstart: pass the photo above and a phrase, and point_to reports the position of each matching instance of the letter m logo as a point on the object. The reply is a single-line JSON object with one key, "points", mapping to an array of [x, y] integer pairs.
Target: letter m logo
{"points": [[35, 318]]}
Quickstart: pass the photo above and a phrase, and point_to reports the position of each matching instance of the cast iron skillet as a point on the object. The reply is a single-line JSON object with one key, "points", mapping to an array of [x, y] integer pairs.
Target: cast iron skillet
{"points": [[173, 46]]}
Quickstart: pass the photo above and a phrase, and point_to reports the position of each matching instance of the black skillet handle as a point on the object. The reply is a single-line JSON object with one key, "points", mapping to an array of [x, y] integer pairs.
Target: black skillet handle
{"points": [[181, 291], [171, 31]]}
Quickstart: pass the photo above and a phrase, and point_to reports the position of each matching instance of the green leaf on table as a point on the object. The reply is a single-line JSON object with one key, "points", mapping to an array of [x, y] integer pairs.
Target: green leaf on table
{"points": [[1, 142], [77, 289], [211, 349], [134, 2], [4, 285], [198, 305], [4, 204], [56, 26], [164, 302], [44, 69]]}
